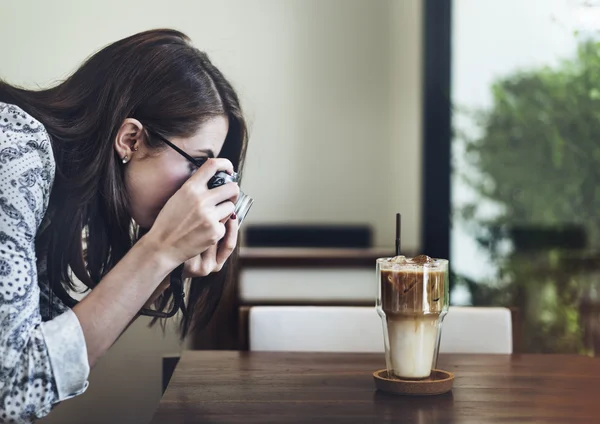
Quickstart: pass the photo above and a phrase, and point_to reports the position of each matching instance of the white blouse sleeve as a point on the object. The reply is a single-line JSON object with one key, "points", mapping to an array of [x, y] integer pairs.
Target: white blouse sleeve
{"points": [[41, 363]]}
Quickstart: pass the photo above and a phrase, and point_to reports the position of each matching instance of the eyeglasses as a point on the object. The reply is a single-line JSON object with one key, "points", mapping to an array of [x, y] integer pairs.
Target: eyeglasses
{"points": [[198, 162]]}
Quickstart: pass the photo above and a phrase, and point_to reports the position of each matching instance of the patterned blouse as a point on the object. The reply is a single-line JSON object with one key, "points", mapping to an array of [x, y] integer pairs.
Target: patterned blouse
{"points": [[43, 361]]}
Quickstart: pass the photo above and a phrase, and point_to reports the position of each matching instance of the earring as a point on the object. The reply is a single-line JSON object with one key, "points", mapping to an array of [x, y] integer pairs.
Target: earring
{"points": [[126, 159], [134, 148]]}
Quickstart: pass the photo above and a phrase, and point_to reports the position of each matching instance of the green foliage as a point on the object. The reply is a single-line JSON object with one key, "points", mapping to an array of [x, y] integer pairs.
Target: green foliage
{"points": [[538, 155]]}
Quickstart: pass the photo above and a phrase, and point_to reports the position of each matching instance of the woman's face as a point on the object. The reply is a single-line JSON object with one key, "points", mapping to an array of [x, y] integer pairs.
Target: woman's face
{"points": [[152, 176]]}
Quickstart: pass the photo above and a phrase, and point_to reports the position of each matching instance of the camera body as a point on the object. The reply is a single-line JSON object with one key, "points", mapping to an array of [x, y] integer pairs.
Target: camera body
{"points": [[244, 202], [221, 178]]}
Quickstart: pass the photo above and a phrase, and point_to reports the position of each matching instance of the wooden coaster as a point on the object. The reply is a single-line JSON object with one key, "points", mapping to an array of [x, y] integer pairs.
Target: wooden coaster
{"points": [[439, 382]]}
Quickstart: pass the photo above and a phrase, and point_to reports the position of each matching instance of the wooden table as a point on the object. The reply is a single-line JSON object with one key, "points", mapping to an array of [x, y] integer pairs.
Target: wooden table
{"points": [[243, 387]]}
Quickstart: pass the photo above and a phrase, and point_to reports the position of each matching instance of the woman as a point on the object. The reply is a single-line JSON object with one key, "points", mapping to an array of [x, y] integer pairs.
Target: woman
{"points": [[101, 177]]}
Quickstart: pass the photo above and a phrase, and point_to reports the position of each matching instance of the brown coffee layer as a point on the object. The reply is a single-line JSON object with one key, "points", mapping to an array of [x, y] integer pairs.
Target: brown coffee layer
{"points": [[412, 292]]}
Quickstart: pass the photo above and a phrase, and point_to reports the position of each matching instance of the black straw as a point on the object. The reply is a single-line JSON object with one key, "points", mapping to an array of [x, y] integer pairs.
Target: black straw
{"points": [[398, 230]]}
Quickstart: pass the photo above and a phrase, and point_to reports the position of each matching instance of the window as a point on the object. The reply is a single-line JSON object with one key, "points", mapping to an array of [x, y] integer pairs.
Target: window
{"points": [[512, 115]]}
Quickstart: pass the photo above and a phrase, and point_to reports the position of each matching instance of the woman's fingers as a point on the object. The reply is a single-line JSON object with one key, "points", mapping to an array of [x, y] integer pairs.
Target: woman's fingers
{"points": [[228, 243], [223, 211], [209, 261]]}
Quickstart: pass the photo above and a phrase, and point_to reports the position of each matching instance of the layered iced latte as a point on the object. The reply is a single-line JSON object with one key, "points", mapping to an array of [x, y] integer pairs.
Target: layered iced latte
{"points": [[412, 301]]}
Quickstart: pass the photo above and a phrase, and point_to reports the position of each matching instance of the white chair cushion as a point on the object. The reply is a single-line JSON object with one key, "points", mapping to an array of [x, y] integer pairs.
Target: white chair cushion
{"points": [[315, 329], [477, 330], [359, 329]]}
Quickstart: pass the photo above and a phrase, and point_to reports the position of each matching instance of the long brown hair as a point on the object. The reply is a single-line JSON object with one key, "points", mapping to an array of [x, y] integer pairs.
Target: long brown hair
{"points": [[159, 78]]}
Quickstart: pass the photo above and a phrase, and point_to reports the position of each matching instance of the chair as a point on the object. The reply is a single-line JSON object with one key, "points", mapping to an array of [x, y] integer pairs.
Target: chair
{"points": [[477, 330], [358, 329]]}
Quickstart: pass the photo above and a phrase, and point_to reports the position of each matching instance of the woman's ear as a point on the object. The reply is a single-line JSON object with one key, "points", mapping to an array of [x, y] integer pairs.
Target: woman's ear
{"points": [[128, 139]]}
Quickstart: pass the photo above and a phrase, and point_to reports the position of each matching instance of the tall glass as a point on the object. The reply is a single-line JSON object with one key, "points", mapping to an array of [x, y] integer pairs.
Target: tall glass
{"points": [[412, 303]]}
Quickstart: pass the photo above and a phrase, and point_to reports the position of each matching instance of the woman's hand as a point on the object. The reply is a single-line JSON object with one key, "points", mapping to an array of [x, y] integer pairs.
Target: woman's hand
{"points": [[213, 258], [196, 218], [209, 261]]}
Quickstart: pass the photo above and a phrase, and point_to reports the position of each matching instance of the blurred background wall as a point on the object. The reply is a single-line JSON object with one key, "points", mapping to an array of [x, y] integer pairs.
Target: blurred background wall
{"points": [[331, 89]]}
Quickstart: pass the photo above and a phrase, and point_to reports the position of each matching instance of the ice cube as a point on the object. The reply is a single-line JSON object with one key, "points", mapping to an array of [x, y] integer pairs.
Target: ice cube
{"points": [[401, 260], [421, 260]]}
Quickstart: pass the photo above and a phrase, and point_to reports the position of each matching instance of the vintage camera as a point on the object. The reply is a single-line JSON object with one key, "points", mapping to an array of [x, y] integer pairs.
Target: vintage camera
{"points": [[244, 202]]}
